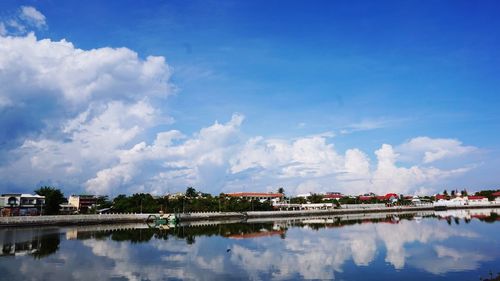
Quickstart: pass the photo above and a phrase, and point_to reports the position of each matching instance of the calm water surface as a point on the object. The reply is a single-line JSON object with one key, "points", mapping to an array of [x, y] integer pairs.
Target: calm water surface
{"points": [[451, 245]]}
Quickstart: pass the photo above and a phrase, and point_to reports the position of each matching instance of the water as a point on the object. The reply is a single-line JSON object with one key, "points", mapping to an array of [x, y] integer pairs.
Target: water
{"points": [[452, 245]]}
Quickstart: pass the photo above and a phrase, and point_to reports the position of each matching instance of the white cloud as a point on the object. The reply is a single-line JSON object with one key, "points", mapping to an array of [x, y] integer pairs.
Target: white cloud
{"points": [[72, 110], [33, 16], [311, 164], [57, 69], [431, 150], [196, 161], [22, 21]]}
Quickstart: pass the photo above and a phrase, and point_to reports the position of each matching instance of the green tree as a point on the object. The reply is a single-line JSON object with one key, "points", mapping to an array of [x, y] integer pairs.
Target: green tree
{"points": [[298, 200], [103, 202], [53, 198], [281, 190], [315, 198], [191, 192], [445, 192]]}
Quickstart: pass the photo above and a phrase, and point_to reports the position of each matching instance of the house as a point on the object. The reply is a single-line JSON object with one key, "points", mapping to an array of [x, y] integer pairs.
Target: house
{"points": [[441, 197], [82, 202], [391, 197], [365, 198], [261, 196], [477, 200], [497, 197], [332, 195], [21, 204], [67, 209]]}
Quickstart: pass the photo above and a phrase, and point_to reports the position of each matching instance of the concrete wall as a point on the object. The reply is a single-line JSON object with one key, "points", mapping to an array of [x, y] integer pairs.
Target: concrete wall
{"points": [[72, 219]]}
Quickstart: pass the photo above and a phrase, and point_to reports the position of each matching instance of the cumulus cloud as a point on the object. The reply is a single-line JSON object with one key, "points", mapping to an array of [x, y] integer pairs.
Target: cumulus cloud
{"points": [[45, 83], [431, 150], [66, 111], [312, 164], [196, 161]]}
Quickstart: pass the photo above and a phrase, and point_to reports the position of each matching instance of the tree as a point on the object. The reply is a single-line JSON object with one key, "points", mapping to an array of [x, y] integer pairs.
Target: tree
{"points": [[315, 198], [453, 193], [53, 198], [281, 190], [298, 200], [103, 202], [191, 192], [445, 192]]}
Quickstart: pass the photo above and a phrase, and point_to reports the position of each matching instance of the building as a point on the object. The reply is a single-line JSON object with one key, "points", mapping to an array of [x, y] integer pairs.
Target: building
{"points": [[332, 195], [477, 200], [82, 202], [20, 204], [441, 197], [67, 209], [497, 196], [391, 197], [261, 196]]}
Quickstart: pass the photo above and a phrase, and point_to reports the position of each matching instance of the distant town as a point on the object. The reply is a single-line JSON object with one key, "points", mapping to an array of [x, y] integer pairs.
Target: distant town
{"points": [[51, 201]]}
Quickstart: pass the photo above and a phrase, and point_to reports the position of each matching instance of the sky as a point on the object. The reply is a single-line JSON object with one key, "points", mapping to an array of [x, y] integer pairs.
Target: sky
{"points": [[120, 97]]}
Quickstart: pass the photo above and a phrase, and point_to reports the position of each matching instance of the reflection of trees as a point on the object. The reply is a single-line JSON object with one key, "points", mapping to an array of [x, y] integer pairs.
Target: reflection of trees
{"points": [[339, 222], [189, 233], [490, 219], [47, 245], [134, 236]]}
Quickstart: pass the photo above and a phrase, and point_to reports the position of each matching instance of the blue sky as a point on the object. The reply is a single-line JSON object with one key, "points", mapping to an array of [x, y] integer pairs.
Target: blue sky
{"points": [[319, 79]]}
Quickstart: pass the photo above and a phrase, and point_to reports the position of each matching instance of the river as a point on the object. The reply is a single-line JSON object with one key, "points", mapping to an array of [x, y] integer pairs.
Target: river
{"points": [[445, 245]]}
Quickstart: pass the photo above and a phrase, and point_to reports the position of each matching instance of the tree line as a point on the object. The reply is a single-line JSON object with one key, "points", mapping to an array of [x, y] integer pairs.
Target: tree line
{"points": [[191, 201]]}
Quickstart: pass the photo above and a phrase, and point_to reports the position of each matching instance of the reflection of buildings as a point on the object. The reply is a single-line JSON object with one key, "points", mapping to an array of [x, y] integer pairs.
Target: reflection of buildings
{"points": [[257, 234], [35, 242], [468, 214], [17, 204]]}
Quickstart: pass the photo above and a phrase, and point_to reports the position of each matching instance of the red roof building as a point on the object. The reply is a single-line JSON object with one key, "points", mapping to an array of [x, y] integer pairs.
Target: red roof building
{"points": [[440, 196], [390, 196], [332, 196], [496, 194], [476, 197]]}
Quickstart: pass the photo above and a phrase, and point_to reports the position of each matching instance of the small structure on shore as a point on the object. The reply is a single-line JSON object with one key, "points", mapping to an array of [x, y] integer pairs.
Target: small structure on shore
{"points": [[163, 219]]}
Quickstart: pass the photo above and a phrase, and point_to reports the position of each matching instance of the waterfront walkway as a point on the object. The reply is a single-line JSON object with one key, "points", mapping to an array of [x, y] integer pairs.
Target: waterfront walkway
{"points": [[201, 216]]}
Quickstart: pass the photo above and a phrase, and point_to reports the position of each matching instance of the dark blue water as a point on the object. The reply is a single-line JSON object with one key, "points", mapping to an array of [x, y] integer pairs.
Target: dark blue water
{"points": [[460, 245]]}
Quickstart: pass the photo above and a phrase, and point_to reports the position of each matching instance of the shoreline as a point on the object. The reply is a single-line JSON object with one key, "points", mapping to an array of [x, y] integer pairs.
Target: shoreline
{"points": [[65, 220]]}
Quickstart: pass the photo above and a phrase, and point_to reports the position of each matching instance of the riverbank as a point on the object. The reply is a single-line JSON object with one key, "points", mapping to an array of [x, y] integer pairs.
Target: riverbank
{"points": [[206, 216]]}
